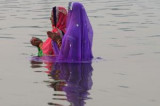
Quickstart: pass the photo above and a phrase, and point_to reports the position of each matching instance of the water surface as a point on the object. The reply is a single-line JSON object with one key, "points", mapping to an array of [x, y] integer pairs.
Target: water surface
{"points": [[126, 37]]}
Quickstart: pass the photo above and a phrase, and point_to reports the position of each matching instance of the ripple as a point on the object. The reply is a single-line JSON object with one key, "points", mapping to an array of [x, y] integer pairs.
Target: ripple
{"points": [[13, 15], [40, 18], [154, 36], [2, 17], [123, 5], [59, 95], [125, 22], [126, 29], [148, 23], [43, 15], [36, 66], [5, 33], [97, 16], [120, 73], [113, 38], [98, 59], [148, 13], [7, 38], [33, 35], [36, 62], [104, 24], [136, 54], [118, 9], [21, 17], [156, 52], [54, 104], [35, 82], [59, 98], [11, 6], [153, 100], [23, 11], [142, 27], [38, 71], [25, 27], [122, 86], [119, 15], [116, 45]]}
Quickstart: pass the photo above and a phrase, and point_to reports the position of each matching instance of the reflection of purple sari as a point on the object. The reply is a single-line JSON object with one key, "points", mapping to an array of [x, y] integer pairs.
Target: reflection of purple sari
{"points": [[79, 83], [77, 41], [78, 80]]}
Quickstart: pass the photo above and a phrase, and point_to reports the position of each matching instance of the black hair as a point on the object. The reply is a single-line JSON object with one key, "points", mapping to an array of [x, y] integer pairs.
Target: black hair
{"points": [[54, 15]]}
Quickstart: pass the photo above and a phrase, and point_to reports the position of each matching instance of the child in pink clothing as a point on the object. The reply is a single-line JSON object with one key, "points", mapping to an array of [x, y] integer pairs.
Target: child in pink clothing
{"points": [[53, 43]]}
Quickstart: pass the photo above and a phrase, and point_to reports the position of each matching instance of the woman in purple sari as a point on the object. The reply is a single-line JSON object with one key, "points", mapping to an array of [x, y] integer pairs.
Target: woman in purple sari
{"points": [[77, 41]]}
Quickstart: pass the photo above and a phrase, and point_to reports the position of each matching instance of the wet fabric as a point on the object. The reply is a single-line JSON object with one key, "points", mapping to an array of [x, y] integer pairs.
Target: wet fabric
{"points": [[60, 25], [77, 41]]}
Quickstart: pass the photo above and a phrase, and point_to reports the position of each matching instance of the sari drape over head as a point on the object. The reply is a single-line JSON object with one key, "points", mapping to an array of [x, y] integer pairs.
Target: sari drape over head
{"points": [[77, 41]]}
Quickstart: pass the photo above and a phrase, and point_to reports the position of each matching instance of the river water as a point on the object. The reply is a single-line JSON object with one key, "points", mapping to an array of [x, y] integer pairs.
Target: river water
{"points": [[126, 48]]}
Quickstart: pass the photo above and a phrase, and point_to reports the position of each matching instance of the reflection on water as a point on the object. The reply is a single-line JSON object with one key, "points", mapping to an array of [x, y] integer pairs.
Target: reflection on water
{"points": [[73, 79]]}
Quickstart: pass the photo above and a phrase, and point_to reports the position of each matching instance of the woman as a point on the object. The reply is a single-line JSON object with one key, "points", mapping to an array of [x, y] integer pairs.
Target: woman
{"points": [[77, 42], [53, 43]]}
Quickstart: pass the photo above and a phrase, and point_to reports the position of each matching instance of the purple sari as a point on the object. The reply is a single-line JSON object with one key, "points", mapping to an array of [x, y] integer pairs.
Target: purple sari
{"points": [[77, 41]]}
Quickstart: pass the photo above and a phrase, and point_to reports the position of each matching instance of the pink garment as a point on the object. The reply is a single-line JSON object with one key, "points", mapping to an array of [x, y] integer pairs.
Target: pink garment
{"points": [[62, 17], [47, 47], [61, 25]]}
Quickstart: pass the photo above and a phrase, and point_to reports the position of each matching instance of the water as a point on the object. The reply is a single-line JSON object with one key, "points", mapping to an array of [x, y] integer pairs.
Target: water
{"points": [[126, 36]]}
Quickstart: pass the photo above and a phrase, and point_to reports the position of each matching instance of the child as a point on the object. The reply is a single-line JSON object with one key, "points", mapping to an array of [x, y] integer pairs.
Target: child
{"points": [[77, 42], [53, 43]]}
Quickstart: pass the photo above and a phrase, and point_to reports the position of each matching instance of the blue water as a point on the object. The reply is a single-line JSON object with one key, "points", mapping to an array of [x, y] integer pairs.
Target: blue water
{"points": [[126, 48]]}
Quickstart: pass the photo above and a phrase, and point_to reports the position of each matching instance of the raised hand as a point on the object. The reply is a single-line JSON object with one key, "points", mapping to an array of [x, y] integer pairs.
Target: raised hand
{"points": [[51, 35]]}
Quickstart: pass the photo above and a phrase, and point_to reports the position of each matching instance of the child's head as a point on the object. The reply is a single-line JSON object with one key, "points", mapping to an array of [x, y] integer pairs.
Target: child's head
{"points": [[35, 41]]}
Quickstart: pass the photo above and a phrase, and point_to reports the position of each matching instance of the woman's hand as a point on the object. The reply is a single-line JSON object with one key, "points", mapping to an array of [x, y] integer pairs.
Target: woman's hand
{"points": [[35, 41], [54, 36], [51, 35]]}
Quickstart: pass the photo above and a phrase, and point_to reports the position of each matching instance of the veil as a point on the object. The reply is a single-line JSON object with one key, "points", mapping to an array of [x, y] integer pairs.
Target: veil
{"points": [[77, 41]]}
